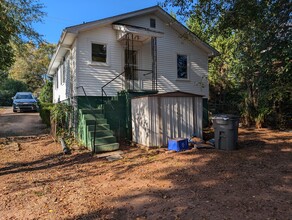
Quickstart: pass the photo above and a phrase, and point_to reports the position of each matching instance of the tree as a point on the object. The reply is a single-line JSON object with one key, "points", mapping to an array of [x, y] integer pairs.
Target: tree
{"points": [[8, 88], [31, 64], [16, 19], [46, 94], [221, 76], [262, 46]]}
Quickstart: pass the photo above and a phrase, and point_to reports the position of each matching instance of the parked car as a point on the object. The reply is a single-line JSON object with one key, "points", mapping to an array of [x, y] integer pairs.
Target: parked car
{"points": [[24, 101]]}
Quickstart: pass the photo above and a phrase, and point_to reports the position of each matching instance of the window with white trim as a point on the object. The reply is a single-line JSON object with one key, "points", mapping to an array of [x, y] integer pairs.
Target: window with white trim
{"points": [[182, 66], [63, 71], [56, 79], [98, 53]]}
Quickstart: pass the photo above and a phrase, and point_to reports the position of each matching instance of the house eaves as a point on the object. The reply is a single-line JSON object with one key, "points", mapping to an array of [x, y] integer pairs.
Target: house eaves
{"points": [[69, 34]]}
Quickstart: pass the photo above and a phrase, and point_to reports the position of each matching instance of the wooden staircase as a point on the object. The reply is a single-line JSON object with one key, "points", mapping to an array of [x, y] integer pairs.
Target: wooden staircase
{"points": [[104, 137]]}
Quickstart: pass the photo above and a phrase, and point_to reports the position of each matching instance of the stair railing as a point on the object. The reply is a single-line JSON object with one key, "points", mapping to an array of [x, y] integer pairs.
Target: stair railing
{"points": [[103, 93], [92, 111]]}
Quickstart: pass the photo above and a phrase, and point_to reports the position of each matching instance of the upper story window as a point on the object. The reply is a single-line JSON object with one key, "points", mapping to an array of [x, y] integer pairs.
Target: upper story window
{"points": [[98, 53], [152, 23], [182, 66], [63, 72], [56, 78]]}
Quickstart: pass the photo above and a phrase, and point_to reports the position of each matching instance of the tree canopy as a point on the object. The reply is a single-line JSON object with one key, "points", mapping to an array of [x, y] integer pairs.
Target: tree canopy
{"points": [[31, 64], [16, 20], [254, 39]]}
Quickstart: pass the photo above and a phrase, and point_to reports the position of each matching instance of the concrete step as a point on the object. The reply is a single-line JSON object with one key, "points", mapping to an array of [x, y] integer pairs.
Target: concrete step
{"points": [[106, 147], [105, 140]]}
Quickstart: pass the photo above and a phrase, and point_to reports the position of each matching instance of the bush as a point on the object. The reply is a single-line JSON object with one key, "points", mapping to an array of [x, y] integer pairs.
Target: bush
{"points": [[46, 95], [8, 88], [46, 105], [45, 112], [60, 113]]}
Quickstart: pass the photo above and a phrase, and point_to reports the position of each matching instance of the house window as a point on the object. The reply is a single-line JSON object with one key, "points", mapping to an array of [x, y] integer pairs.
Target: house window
{"points": [[64, 71], [98, 53], [56, 79], [131, 64], [152, 23], [182, 66], [62, 74]]}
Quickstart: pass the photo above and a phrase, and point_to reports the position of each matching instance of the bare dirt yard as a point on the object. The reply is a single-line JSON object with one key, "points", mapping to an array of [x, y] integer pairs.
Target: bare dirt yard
{"points": [[37, 181]]}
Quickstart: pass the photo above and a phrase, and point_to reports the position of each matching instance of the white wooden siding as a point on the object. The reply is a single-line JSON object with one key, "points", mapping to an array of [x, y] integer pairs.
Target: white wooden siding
{"points": [[74, 68], [92, 77], [167, 48], [62, 91]]}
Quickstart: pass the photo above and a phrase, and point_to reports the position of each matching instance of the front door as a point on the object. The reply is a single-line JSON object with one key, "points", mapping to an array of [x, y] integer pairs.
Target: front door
{"points": [[131, 64]]}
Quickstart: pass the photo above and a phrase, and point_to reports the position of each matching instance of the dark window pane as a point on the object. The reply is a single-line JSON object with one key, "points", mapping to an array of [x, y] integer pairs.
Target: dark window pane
{"points": [[131, 64], [182, 66], [98, 53], [152, 23]]}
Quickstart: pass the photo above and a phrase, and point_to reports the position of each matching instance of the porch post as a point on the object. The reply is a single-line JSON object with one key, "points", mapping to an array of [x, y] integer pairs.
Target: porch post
{"points": [[154, 62]]}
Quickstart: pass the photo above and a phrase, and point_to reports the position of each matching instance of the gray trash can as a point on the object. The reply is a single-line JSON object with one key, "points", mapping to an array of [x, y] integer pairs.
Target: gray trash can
{"points": [[226, 131]]}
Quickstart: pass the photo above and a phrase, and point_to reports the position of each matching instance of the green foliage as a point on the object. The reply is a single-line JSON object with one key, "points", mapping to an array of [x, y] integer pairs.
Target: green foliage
{"points": [[46, 94], [254, 39], [45, 112], [31, 64], [16, 24], [60, 113], [8, 88], [57, 113]]}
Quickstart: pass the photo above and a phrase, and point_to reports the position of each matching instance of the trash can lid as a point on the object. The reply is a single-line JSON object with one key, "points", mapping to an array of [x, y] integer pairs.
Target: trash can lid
{"points": [[225, 116]]}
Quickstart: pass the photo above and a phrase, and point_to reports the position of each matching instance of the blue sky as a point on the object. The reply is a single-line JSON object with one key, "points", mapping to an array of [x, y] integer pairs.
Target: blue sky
{"points": [[64, 13]]}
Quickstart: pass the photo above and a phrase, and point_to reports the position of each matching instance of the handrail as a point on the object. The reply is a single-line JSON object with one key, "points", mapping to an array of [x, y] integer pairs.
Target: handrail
{"points": [[91, 109], [103, 91]]}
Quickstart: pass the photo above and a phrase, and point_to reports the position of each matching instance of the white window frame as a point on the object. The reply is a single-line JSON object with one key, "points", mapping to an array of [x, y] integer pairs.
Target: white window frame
{"points": [[107, 54], [57, 79], [188, 71], [62, 74]]}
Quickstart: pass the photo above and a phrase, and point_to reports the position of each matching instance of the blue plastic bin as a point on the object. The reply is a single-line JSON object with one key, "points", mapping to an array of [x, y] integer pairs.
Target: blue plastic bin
{"points": [[178, 144]]}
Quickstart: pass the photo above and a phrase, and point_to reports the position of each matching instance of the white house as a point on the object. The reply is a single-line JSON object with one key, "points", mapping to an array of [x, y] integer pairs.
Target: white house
{"points": [[141, 51]]}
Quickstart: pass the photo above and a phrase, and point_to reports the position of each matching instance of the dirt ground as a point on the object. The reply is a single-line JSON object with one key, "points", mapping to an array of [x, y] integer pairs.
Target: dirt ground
{"points": [[37, 181]]}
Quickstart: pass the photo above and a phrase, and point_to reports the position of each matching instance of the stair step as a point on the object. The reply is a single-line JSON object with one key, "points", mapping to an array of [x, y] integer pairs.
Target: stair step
{"points": [[100, 133], [105, 140], [91, 116], [106, 147], [89, 111], [98, 121], [98, 127]]}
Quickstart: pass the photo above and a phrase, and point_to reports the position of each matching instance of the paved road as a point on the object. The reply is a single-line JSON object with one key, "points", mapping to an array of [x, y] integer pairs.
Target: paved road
{"points": [[20, 124]]}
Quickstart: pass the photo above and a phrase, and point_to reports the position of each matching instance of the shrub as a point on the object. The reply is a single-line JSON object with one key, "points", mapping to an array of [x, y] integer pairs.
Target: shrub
{"points": [[46, 94], [45, 112], [60, 113], [8, 88]]}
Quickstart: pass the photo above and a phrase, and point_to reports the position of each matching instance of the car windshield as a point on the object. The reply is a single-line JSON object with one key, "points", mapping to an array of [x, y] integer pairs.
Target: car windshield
{"points": [[24, 96]]}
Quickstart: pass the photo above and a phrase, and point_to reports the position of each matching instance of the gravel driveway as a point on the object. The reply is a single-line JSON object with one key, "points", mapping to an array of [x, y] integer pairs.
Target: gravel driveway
{"points": [[20, 124]]}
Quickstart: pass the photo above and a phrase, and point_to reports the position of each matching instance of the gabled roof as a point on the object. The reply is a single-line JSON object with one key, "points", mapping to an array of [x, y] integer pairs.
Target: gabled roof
{"points": [[69, 34]]}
